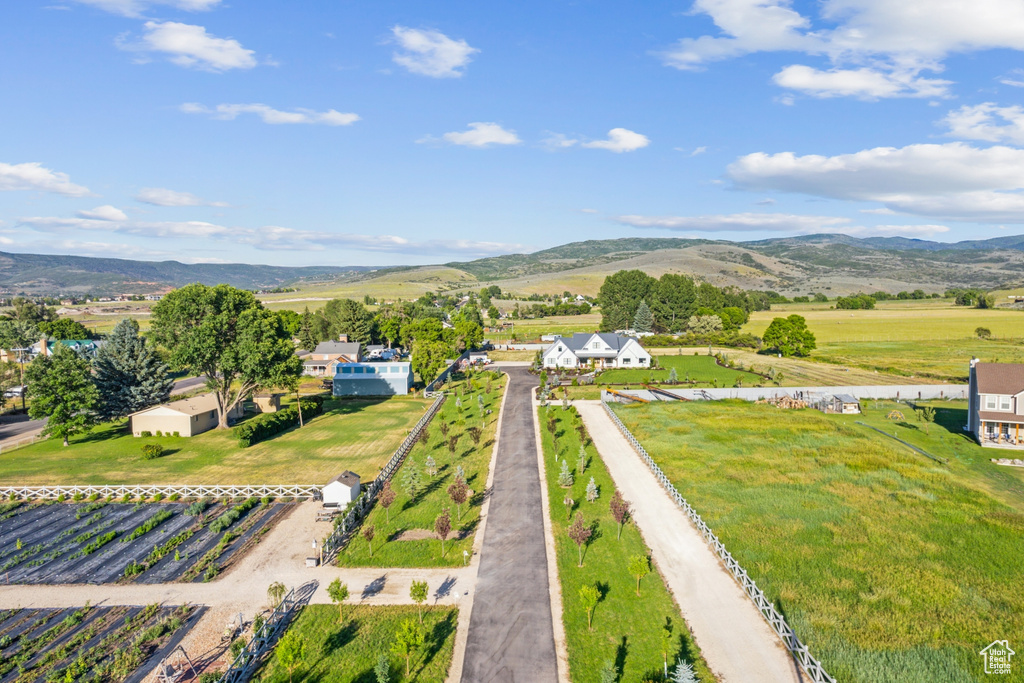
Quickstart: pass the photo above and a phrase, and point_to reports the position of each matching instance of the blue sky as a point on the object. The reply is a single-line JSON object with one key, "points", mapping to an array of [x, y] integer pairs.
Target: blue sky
{"points": [[416, 132]]}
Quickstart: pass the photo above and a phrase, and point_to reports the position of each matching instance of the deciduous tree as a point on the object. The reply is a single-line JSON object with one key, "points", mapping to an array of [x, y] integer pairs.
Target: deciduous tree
{"points": [[275, 594], [227, 335], [639, 567], [589, 597], [289, 652], [443, 527], [789, 336], [386, 498], [338, 593], [418, 592], [458, 492], [620, 511], [368, 534], [407, 641], [61, 388], [580, 533], [129, 374]]}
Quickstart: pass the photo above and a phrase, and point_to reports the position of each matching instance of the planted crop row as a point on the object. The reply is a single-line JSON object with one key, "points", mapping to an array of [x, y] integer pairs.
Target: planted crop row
{"points": [[232, 515], [29, 649], [207, 564], [147, 526], [159, 552], [96, 544]]}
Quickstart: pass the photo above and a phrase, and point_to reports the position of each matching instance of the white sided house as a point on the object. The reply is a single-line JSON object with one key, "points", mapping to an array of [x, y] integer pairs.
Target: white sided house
{"points": [[186, 417], [996, 404], [603, 350]]}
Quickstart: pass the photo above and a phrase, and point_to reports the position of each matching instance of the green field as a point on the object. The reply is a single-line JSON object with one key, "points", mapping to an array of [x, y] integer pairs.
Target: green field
{"points": [[347, 652], [626, 628], [939, 360], [531, 329], [357, 435], [416, 514], [691, 370], [890, 566]]}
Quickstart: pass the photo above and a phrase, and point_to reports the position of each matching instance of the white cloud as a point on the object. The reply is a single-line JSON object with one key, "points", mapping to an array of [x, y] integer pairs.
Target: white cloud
{"points": [[87, 248], [864, 83], [954, 181], [34, 176], [192, 47], [431, 53], [737, 222], [881, 212], [228, 112], [890, 42], [104, 213], [160, 196], [774, 222], [1014, 78], [140, 228], [135, 8], [481, 135], [987, 122], [620, 140], [555, 141], [699, 150], [589, 210]]}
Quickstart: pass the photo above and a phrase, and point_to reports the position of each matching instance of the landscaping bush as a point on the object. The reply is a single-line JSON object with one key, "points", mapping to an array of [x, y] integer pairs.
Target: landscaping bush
{"points": [[145, 433], [151, 451], [265, 426]]}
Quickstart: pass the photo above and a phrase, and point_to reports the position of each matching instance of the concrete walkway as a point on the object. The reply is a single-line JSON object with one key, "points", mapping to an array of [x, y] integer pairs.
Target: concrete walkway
{"points": [[511, 636], [734, 638]]}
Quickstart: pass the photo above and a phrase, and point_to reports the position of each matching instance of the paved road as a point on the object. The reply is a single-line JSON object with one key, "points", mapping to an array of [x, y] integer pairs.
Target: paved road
{"points": [[511, 638], [734, 638], [11, 434], [187, 384]]}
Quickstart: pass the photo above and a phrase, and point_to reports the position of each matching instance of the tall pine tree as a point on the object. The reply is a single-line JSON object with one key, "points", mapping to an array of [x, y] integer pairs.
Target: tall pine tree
{"points": [[643, 321], [308, 338], [129, 374]]}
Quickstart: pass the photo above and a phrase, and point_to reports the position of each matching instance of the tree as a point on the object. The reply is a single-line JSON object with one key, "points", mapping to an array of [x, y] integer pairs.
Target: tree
{"points": [[565, 478], [589, 597], [580, 533], [418, 592], [620, 511], [308, 338], [443, 527], [673, 301], [289, 652], [474, 434], [643, 321], [386, 498], [581, 460], [666, 641], [28, 311], [673, 376], [345, 316], [275, 594], [412, 480], [927, 416], [683, 673], [789, 336], [983, 332], [382, 671], [430, 465], [65, 328], [458, 492], [620, 297], [62, 391], [368, 534], [494, 314], [704, 324], [608, 673], [338, 593], [592, 493], [453, 443], [129, 374], [428, 358], [639, 567], [227, 335], [407, 641], [389, 327]]}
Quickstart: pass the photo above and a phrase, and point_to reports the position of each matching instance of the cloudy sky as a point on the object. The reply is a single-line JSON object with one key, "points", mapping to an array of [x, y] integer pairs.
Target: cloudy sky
{"points": [[411, 132]]}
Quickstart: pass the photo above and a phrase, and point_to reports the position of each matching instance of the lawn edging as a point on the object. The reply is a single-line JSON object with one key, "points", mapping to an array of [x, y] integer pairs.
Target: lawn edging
{"points": [[778, 623]]}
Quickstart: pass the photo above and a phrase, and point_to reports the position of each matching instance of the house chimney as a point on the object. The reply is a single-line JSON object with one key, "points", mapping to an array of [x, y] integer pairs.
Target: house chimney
{"points": [[343, 338], [43, 348]]}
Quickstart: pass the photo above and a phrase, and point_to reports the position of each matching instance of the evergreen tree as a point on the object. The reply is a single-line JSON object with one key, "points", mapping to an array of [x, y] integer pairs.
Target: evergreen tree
{"points": [[61, 390], [565, 478], [592, 493], [308, 338], [683, 673], [643, 321], [129, 374]]}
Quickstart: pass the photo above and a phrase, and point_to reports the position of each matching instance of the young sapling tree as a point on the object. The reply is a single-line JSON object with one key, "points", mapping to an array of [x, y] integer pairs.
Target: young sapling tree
{"points": [[592, 493], [589, 597], [418, 592], [620, 511], [386, 498], [580, 533], [368, 534], [443, 527], [338, 593], [458, 492], [639, 567]]}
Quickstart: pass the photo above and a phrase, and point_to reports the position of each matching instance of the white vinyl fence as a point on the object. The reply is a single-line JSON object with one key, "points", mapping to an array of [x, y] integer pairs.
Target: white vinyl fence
{"points": [[297, 491], [362, 505], [812, 666]]}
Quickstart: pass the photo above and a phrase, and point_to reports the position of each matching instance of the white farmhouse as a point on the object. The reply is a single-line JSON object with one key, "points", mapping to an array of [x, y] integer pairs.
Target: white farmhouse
{"points": [[341, 490], [604, 350]]}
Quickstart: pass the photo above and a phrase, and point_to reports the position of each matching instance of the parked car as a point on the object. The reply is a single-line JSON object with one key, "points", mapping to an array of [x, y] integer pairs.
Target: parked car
{"points": [[15, 392]]}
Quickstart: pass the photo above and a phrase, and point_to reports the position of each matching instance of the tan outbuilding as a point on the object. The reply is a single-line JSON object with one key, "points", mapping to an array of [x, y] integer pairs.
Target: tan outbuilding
{"points": [[186, 417]]}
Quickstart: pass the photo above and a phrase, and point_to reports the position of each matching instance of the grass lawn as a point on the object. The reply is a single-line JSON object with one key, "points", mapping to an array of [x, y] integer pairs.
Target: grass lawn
{"points": [[700, 370], [359, 435], [626, 628], [347, 652], [945, 360], [890, 566], [416, 514], [531, 329]]}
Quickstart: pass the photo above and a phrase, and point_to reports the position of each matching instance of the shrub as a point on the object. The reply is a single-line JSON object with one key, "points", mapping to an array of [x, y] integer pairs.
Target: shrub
{"points": [[78, 497], [983, 332], [177, 433], [159, 433], [267, 425], [158, 497], [145, 433], [150, 451], [61, 498], [174, 497]]}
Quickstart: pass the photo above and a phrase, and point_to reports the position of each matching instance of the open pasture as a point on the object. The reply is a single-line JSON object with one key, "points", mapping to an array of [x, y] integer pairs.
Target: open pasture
{"points": [[101, 542], [690, 370], [358, 435], [531, 329], [890, 566], [88, 643], [346, 649]]}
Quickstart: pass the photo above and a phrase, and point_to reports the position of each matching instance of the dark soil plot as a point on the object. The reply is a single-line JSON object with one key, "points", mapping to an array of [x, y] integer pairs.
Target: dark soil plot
{"points": [[262, 519], [93, 643]]}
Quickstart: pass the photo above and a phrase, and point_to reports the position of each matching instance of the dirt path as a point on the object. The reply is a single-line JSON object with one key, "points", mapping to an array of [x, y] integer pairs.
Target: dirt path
{"points": [[735, 640]]}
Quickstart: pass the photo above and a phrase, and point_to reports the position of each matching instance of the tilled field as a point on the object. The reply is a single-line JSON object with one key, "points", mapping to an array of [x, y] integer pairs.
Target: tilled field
{"points": [[89, 643], [107, 542]]}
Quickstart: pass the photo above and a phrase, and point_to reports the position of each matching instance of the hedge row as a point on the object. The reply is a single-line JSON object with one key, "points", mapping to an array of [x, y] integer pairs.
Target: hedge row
{"points": [[264, 426]]}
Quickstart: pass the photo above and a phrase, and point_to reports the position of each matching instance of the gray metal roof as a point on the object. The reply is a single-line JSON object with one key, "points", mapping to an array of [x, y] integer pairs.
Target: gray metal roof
{"points": [[846, 398], [339, 348], [347, 478]]}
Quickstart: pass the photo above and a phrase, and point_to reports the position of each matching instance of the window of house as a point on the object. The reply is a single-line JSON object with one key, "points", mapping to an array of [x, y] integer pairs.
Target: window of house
{"points": [[595, 345], [625, 361], [642, 361], [1004, 403], [990, 402]]}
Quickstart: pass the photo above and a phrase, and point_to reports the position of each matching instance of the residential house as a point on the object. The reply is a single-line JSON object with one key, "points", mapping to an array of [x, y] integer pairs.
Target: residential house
{"points": [[326, 357], [600, 350], [373, 379], [185, 417], [86, 347], [996, 404]]}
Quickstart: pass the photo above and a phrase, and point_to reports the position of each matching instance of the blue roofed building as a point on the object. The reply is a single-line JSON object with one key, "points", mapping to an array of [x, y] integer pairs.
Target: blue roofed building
{"points": [[373, 379]]}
